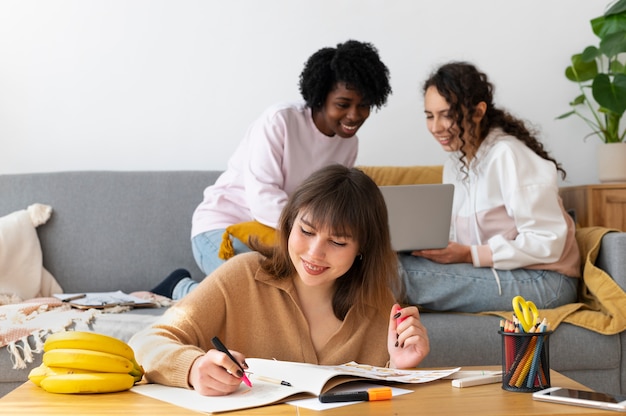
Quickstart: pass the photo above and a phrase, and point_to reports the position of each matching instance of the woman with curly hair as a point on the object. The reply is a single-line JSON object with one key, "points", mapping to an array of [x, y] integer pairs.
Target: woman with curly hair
{"points": [[288, 142], [510, 234]]}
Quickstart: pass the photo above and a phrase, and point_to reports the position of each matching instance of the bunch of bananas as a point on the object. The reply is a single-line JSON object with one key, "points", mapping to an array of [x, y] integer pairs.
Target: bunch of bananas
{"points": [[86, 362]]}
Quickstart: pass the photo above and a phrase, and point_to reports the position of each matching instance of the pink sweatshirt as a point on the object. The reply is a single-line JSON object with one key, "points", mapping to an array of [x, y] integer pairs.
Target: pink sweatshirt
{"points": [[281, 149]]}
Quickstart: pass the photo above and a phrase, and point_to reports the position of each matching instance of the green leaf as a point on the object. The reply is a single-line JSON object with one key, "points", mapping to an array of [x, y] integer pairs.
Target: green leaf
{"points": [[597, 26], [617, 67], [590, 54], [580, 70], [578, 100], [611, 95], [617, 8], [613, 44], [604, 26], [562, 116]]}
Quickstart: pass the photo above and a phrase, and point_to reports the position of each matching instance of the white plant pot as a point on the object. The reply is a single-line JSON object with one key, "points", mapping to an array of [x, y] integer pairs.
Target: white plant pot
{"points": [[611, 162]]}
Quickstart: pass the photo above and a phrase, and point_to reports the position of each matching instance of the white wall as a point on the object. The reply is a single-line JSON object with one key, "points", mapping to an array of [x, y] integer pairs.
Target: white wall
{"points": [[173, 84]]}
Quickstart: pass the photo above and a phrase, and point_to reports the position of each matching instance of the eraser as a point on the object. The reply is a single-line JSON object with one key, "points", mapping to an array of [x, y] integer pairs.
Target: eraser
{"points": [[477, 380]]}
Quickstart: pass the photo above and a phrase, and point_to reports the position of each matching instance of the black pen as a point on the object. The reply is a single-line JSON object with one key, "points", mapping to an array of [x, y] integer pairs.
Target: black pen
{"points": [[221, 347]]}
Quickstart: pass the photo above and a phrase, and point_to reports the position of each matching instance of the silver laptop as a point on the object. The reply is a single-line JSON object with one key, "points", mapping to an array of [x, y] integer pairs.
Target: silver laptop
{"points": [[419, 215]]}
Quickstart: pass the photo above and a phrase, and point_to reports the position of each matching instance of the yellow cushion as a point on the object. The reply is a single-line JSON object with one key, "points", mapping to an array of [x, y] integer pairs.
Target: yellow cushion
{"points": [[243, 231], [404, 175]]}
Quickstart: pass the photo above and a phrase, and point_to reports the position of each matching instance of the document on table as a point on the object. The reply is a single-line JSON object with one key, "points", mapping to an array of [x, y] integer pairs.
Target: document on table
{"points": [[307, 380]]}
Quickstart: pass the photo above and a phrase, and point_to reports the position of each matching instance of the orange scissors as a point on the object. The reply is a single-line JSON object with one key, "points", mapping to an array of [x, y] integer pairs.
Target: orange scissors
{"points": [[526, 312]]}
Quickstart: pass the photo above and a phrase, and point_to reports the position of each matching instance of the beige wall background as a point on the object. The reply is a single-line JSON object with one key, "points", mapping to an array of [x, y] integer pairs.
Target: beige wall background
{"points": [[173, 84]]}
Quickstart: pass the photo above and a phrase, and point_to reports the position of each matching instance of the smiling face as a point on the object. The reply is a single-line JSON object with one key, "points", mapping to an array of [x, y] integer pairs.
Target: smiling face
{"points": [[445, 129], [439, 122], [343, 112], [320, 256]]}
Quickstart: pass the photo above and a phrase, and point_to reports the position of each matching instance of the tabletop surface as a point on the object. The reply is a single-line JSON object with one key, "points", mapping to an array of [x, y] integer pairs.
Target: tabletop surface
{"points": [[432, 398]]}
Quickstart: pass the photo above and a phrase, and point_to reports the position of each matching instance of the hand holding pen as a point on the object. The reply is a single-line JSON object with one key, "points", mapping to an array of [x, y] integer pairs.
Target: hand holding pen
{"points": [[408, 342], [240, 371], [218, 373]]}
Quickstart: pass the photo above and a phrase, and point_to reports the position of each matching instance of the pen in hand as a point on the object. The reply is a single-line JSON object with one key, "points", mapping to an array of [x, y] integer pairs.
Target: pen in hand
{"points": [[221, 347], [398, 322]]}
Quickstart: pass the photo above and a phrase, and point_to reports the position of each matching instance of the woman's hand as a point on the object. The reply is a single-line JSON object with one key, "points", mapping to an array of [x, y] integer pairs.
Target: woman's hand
{"points": [[454, 253], [214, 374], [407, 342]]}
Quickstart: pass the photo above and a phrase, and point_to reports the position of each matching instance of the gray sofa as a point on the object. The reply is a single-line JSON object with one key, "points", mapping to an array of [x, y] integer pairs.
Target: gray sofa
{"points": [[128, 230]]}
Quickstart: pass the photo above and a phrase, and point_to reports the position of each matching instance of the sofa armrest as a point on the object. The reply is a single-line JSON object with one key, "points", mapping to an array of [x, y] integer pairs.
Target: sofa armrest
{"points": [[611, 257]]}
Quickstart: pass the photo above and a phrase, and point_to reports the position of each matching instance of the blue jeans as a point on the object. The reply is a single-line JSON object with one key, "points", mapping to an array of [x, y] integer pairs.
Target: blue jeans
{"points": [[464, 288], [205, 248]]}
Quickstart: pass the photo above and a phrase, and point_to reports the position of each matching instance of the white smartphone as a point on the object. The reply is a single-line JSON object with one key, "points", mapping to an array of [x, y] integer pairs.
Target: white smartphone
{"points": [[582, 398]]}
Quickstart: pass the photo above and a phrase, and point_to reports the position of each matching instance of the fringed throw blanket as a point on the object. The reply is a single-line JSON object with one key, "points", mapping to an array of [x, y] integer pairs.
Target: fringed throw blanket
{"points": [[37, 317]]}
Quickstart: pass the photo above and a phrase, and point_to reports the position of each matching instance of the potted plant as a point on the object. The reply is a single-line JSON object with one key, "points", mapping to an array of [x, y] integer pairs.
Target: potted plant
{"points": [[600, 72]]}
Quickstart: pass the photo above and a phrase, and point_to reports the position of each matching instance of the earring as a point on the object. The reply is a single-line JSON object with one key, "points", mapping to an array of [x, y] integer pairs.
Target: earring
{"points": [[360, 256]]}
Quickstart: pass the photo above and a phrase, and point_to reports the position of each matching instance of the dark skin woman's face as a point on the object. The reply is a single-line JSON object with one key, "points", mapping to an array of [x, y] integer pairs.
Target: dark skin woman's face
{"points": [[343, 113]]}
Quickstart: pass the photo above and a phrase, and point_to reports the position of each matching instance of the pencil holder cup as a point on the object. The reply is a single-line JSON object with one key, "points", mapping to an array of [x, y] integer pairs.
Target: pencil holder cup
{"points": [[525, 361]]}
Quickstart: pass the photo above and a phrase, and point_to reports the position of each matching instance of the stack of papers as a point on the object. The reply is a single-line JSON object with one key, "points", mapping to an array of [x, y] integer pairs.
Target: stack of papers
{"points": [[100, 300]]}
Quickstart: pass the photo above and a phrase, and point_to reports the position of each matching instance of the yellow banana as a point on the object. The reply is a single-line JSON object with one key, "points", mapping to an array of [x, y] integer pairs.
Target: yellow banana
{"points": [[87, 360], [87, 383], [39, 373], [95, 342], [88, 341], [137, 371]]}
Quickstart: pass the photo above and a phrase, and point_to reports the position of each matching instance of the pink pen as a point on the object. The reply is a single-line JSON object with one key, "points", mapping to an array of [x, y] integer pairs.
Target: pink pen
{"points": [[221, 347], [398, 321]]}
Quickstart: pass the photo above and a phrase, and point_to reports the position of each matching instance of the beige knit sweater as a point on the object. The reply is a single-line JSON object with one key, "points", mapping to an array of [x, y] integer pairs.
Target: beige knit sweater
{"points": [[256, 315]]}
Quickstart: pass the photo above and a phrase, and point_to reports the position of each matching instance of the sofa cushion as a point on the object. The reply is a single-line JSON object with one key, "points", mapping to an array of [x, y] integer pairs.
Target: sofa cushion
{"points": [[404, 175], [21, 260]]}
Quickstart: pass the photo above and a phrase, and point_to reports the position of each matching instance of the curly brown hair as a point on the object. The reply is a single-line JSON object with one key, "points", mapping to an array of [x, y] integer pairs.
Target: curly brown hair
{"points": [[463, 86]]}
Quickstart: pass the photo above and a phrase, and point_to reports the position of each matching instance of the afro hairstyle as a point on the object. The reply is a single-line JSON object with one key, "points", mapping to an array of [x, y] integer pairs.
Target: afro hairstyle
{"points": [[354, 63]]}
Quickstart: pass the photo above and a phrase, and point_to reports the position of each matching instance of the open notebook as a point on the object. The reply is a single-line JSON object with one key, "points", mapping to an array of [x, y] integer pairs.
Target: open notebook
{"points": [[306, 380], [419, 215]]}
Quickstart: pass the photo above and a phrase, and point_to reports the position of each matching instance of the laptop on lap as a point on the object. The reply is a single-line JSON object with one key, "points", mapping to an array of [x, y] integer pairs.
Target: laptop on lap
{"points": [[419, 215]]}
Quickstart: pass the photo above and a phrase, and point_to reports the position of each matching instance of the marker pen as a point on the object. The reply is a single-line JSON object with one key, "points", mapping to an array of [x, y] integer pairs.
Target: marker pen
{"points": [[399, 321], [221, 347], [378, 393]]}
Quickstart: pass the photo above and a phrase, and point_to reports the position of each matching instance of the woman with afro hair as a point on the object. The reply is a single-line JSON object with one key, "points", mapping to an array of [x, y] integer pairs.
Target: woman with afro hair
{"points": [[287, 143]]}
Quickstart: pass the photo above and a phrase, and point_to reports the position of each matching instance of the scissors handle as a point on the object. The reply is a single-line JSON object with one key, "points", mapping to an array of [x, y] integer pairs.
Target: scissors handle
{"points": [[526, 312]]}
